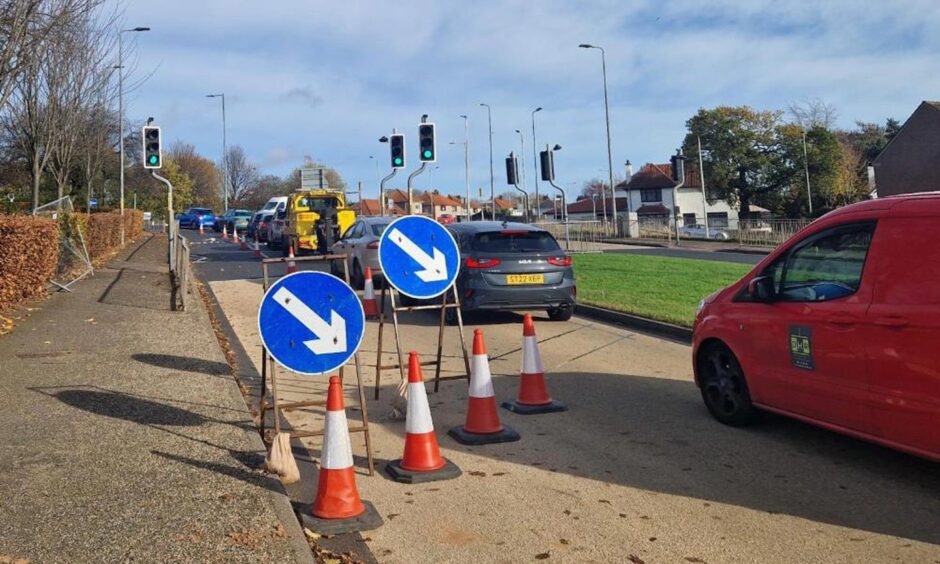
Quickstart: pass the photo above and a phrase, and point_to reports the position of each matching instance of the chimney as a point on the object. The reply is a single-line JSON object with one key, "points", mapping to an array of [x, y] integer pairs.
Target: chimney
{"points": [[628, 172]]}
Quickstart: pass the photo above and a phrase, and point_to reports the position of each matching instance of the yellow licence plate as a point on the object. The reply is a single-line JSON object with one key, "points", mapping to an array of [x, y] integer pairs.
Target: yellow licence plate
{"points": [[525, 279]]}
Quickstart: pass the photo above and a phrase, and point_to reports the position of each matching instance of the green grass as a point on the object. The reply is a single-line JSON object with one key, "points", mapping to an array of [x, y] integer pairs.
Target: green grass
{"points": [[662, 288]]}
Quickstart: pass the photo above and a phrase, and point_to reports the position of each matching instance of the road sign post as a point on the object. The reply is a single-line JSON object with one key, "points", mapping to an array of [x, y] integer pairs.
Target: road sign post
{"points": [[421, 260]]}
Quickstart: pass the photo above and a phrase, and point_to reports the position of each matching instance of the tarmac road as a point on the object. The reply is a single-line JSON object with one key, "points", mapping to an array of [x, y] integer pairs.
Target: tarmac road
{"points": [[636, 467]]}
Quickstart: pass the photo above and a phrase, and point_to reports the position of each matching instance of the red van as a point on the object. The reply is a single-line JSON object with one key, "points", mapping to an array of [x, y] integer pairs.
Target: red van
{"points": [[839, 327]]}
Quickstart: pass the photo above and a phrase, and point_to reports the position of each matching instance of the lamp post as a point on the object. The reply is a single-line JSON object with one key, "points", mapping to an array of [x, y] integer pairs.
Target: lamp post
{"points": [[610, 158], [535, 163], [224, 151], [466, 159], [121, 110], [525, 188], [489, 117], [809, 194]]}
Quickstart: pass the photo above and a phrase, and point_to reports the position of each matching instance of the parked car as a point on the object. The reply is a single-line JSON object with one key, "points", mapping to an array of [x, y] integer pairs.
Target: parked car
{"points": [[276, 229], [261, 233], [232, 219], [512, 266], [698, 232], [838, 327], [361, 244], [193, 217], [446, 219], [254, 224]]}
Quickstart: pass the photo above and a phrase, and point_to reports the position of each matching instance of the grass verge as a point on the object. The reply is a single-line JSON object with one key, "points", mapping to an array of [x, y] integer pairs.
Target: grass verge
{"points": [[661, 288]]}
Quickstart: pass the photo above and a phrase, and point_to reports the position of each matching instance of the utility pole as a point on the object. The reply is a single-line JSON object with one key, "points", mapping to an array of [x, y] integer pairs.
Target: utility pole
{"points": [[525, 188], [809, 194], [224, 153], [121, 110], [701, 177], [535, 162], [489, 117], [610, 157], [466, 160]]}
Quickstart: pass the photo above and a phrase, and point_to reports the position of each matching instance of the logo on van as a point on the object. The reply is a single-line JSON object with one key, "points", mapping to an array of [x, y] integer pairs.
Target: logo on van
{"points": [[801, 347]]}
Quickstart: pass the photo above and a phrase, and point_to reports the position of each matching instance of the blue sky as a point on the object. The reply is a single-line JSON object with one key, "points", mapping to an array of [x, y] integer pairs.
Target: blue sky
{"points": [[327, 79]]}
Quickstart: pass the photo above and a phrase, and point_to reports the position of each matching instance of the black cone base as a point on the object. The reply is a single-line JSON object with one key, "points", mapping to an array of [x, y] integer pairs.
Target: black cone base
{"points": [[507, 435], [368, 520], [523, 409], [399, 474]]}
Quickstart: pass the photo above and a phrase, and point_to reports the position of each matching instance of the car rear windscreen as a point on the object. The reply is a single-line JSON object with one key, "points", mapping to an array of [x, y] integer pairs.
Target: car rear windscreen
{"points": [[379, 228], [514, 242]]}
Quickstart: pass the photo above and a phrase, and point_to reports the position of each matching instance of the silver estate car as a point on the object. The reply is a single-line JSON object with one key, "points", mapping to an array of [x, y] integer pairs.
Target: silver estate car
{"points": [[361, 244]]}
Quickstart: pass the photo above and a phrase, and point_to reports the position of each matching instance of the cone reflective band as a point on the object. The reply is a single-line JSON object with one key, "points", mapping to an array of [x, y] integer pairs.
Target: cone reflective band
{"points": [[369, 304], [337, 495], [225, 231], [257, 248], [533, 395], [291, 265], [421, 449]]}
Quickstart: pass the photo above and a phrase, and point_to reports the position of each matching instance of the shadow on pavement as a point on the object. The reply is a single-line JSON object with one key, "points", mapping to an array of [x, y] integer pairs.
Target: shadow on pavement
{"points": [[247, 468], [129, 408], [184, 363], [655, 434]]}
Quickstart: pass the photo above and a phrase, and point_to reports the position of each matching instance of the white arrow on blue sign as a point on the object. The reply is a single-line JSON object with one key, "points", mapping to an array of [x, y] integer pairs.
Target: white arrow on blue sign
{"points": [[419, 257], [311, 322]]}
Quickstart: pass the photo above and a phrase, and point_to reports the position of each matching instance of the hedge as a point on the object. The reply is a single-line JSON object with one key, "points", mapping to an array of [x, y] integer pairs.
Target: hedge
{"points": [[29, 253], [29, 247]]}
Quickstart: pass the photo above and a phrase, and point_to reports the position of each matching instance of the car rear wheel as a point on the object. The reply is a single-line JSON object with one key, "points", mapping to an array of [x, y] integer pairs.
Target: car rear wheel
{"points": [[560, 313], [724, 388]]}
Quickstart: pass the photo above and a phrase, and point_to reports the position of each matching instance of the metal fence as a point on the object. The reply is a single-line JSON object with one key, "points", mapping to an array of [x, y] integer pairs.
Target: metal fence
{"points": [[577, 236], [750, 233]]}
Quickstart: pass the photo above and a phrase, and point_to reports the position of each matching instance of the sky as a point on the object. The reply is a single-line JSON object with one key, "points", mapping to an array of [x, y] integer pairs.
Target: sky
{"points": [[327, 79]]}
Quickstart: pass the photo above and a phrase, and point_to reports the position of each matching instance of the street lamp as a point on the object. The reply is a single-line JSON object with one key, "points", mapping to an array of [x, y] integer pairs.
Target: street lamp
{"points": [[610, 158], [489, 117], [372, 157], [466, 158], [224, 155], [121, 110], [522, 161], [535, 161]]}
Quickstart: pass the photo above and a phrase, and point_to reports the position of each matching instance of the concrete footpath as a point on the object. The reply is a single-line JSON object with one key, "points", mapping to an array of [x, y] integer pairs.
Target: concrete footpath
{"points": [[125, 436]]}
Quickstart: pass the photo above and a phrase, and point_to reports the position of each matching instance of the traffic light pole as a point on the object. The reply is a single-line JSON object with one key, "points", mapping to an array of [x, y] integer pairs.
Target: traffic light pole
{"points": [[411, 177], [525, 201], [382, 190], [564, 211], [170, 222]]}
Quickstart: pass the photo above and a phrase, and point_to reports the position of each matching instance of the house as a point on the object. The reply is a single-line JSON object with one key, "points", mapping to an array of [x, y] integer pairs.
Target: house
{"points": [[370, 207], [507, 208], [435, 205], [398, 199], [908, 162]]}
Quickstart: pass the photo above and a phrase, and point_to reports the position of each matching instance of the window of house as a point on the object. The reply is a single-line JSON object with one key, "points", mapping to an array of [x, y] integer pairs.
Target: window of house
{"points": [[718, 220], [651, 196], [688, 219], [825, 266]]}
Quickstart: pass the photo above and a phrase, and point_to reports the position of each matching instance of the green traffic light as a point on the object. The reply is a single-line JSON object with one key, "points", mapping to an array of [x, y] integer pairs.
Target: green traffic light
{"points": [[154, 159], [428, 154], [397, 160]]}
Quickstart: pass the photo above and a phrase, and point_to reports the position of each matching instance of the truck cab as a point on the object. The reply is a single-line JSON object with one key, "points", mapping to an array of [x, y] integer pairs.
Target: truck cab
{"points": [[314, 220]]}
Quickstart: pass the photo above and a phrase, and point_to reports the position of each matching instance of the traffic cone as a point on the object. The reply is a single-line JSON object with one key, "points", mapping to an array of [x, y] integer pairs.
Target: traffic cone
{"points": [[533, 397], [291, 265], [225, 232], [201, 232], [482, 425], [368, 296], [257, 249], [422, 461], [337, 507]]}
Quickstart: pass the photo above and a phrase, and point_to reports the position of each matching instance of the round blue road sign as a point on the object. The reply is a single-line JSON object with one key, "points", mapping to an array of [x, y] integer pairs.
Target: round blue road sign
{"points": [[419, 257], [311, 322]]}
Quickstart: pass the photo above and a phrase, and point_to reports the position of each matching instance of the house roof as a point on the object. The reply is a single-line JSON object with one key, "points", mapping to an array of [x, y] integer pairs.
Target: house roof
{"points": [[652, 176], [653, 209], [504, 204], [371, 207], [440, 200], [398, 196], [884, 150], [587, 206]]}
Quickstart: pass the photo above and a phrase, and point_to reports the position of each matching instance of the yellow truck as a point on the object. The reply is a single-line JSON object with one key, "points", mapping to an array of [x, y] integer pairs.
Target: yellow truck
{"points": [[314, 220]]}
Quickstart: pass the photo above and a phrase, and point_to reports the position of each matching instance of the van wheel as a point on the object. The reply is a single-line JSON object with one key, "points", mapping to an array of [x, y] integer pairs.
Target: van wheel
{"points": [[724, 388]]}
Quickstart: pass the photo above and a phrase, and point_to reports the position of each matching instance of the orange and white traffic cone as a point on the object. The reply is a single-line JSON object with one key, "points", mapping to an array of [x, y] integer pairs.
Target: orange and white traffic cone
{"points": [[225, 232], [422, 460], [201, 232], [482, 425], [368, 296], [291, 265], [257, 249], [337, 507], [533, 396]]}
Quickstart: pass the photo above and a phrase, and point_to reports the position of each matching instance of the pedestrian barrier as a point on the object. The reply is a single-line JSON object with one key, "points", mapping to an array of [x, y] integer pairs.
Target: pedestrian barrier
{"points": [[180, 269], [337, 507], [422, 460], [533, 396], [482, 425], [368, 296]]}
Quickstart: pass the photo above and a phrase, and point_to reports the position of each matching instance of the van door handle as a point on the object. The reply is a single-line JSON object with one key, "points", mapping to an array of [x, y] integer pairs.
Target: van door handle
{"points": [[842, 319], [892, 322]]}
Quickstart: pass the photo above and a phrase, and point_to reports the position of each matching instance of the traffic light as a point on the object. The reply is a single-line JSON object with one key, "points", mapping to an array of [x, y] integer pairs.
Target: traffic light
{"points": [[547, 159], [426, 145], [512, 169], [678, 166], [397, 143], [153, 157]]}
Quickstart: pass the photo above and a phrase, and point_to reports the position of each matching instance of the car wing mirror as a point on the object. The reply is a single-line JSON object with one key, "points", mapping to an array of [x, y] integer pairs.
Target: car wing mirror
{"points": [[761, 289]]}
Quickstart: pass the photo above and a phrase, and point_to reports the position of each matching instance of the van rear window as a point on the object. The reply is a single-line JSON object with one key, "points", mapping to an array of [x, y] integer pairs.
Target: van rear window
{"points": [[514, 242]]}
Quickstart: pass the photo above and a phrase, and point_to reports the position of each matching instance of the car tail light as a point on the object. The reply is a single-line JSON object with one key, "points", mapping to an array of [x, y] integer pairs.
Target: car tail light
{"points": [[468, 294], [560, 261], [373, 245], [483, 262], [574, 291]]}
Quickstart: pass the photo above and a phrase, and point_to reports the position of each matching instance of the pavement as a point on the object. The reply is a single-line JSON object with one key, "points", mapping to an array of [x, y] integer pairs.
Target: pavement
{"points": [[636, 470], [126, 437]]}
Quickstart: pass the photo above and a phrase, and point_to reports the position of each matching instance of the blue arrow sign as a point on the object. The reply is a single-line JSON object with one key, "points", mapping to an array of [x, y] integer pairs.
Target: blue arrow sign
{"points": [[419, 257], [93, 202], [311, 322]]}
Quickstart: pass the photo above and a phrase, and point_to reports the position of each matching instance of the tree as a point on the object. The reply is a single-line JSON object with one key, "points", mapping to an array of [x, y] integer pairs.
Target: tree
{"points": [[595, 187], [242, 175], [203, 172], [741, 153], [810, 113], [823, 159]]}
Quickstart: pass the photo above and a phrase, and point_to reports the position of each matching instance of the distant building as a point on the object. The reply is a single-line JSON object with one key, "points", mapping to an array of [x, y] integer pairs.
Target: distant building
{"points": [[908, 163], [370, 207]]}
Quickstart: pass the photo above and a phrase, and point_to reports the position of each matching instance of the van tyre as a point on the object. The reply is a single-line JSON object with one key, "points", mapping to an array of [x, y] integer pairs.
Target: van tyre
{"points": [[560, 313], [724, 388]]}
